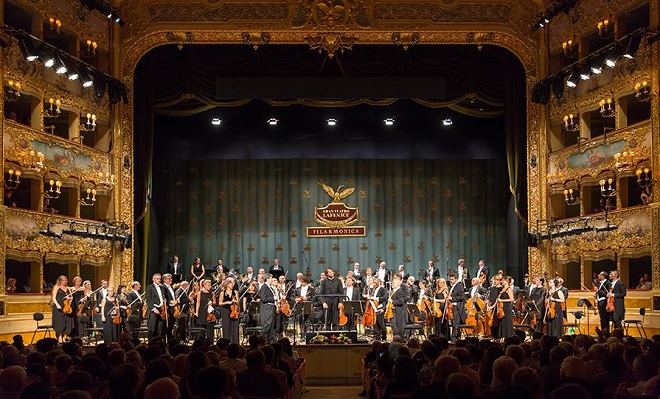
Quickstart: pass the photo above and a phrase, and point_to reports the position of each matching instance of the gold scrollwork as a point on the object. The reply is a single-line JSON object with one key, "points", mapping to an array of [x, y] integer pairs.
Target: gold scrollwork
{"points": [[331, 42]]}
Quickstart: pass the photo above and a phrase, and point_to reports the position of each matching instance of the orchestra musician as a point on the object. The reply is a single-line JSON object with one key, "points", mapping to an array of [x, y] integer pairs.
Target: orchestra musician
{"points": [[267, 307], [537, 295], [276, 270], [176, 269], [357, 275], [462, 272], [100, 294], [440, 297], [379, 294], [110, 310], [351, 293], [431, 274], [181, 294], [412, 288], [399, 298], [63, 324], [228, 297], [366, 276], [77, 293], [205, 300], [484, 279], [555, 325], [154, 298], [249, 275], [220, 267], [329, 291], [197, 270], [602, 290], [507, 297], [383, 274], [171, 301], [85, 306], [493, 295], [564, 290], [403, 273], [135, 301], [618, 292], [304, 293], [457, 299]]}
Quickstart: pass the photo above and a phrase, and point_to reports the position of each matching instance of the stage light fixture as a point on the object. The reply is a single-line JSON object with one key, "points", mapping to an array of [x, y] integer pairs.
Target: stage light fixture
{"points": [[113, 92], [59, 66], [597, 65], [272, 121], [585, 72], [633, 45], [99, 85], [388, 121], [28, 49], [573, 78], [332, 122], [447, 122], [540, 93], [48, 57], [216, 121], [613, 56], [85, 78], [558, 86]]}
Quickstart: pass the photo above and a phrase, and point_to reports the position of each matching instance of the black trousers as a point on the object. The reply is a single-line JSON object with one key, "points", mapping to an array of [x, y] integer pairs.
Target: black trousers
{"points": [[457, 320], [155, 325], [604, 316], [267, 319], [399, 320], [380, 332], [331, 315]]}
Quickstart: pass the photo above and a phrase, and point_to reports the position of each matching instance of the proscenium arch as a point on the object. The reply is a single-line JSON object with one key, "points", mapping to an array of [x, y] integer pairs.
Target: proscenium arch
{"points": [[516, 45]]}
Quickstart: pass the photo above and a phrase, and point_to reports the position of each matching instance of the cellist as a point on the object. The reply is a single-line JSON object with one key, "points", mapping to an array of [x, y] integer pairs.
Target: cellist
{"points": [[476, 306], [379, 294]]}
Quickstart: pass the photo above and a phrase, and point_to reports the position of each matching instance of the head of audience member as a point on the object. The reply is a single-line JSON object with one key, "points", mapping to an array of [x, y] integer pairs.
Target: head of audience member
{"points": [[13, 379], [255, 360], [644, 368], [503, 369], [75, 394], [528, 377], [162, 388], [459, 386], [516, 353], [211, 382], [405, 370], [123, 381]]}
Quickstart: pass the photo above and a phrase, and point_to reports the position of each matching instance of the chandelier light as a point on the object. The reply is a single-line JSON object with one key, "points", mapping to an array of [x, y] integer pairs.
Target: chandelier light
{"points": [[52, 110]]}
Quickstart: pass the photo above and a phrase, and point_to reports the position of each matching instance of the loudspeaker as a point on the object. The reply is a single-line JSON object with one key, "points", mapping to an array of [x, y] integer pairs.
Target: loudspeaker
{"points": [[330, 335]]}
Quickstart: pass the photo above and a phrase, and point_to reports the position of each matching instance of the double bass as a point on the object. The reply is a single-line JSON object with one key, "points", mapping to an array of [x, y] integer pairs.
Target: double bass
{"points": [[369, 316], [475, 306], [610, 301], [343, 319]]}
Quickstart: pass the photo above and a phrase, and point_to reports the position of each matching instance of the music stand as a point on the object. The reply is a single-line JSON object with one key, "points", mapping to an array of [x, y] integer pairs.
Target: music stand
{"points": [[350, 309], [253, 307], [586, 303]]}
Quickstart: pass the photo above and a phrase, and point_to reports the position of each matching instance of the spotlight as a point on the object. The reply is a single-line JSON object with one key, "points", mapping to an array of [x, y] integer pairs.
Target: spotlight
{"points": [[597, 65], [447, 122], [613, 56], [272, 121], [631, 48], [389, 121], [123, 93], [558, 86], [99, 85], [573, 79], [59, 66], [28, 49], [216, 121], [86, 80], [585, 72], [332, 122], [540, 93], [113, 92], [73, 73], [48, 57]]}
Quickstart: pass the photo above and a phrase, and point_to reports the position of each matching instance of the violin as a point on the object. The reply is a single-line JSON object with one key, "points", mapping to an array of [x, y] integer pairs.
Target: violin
{"points": [[116, 318], [66, 306], [233, 310], [210, 313], [389, 312], [343, 319]]}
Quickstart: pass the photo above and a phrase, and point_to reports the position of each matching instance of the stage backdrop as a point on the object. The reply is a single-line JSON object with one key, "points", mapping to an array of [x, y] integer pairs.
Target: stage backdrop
{"points": [[249, 212]]}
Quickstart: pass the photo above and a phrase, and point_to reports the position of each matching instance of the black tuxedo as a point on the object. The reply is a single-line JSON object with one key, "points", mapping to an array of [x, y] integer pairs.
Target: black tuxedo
{"points": [[267, 309], [355, 296], [135, 319], [330, 291], [276, 271], [310, 293], [179, 274], [430, 277], [400, 300], [601, 304], [155, 323], [380, 333], [619, 291], [457, 292], [387, 276]]}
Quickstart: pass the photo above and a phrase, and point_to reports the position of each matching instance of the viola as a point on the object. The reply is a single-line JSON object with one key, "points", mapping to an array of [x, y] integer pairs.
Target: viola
{"points": [[66, 306], [116, 319], [284, 307], [233, 310], [449, 311], [210, 313], [163, 311], [343, 319], [389, 313], [610, 302]]}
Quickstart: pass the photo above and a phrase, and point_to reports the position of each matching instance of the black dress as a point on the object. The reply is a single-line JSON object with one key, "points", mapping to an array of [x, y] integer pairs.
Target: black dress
{"points": [[505, 328], [77, 297], [205, 297], [110, 329], [197, 271], [441, 323], [62, 324], [229, 325], [556, 325]]}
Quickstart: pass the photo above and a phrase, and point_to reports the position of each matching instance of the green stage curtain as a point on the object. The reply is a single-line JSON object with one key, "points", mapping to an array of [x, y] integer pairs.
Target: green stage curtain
{"points": [[249, 212]]}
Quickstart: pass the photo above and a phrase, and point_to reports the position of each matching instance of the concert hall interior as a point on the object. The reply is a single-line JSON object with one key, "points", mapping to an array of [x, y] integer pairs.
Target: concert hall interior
{"points": [[180, 170]]}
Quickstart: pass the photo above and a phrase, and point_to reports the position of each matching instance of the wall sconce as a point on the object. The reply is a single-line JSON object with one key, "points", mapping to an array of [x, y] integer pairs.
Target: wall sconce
{"points": [[53, 108], [624, 160], [570, 51], [90, 51], [54, 191], [571, 123], [106, 180], [607, 108], [55, 25], [605, 29], [90, 124], [13, 91], [90, 199], [643, 91], [15, 179], [569, 199], [29, 160], [606, 188], [645, 182]]}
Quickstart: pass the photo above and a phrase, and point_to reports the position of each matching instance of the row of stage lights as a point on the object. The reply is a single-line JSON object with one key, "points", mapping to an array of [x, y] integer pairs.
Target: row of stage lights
{"points": [[105, 8], [446, 122], [584, 69], [36, 50]]}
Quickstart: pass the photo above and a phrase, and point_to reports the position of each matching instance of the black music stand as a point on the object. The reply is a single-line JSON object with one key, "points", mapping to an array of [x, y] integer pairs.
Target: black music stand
{"points": [[586, 303], [350, 309]]}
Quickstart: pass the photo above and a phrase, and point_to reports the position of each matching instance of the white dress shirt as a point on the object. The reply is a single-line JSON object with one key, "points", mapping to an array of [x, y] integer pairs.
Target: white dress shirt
{"points": [[349, 293]]}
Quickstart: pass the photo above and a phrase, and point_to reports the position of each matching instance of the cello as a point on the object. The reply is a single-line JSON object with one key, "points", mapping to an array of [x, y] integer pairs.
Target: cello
{"points": [[369, 316], [610, 300], [475, 305], [343, 319]]}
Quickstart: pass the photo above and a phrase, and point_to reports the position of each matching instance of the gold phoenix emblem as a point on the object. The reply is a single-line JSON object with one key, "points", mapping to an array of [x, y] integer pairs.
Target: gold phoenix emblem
{"points": [[339, 194]]}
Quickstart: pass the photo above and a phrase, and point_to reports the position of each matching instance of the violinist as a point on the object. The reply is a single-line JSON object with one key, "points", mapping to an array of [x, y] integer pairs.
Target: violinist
{"points": [[100, 294], [506, 298], [134, 320], [379, 294], [537, 295], [304, 293], [457, 298], [439, 305], [181, 294], [109, 316], [171, 301], [555, 325], [228, 297], [77, 292], [281, 296], [602, 289], [400, 297], [197, 270], [155, 299], [351, 293], [85, 305], [431, 274], [204, 302], [63, 324], [249, 295], [618, 292], [483, 274], [491, 302]]}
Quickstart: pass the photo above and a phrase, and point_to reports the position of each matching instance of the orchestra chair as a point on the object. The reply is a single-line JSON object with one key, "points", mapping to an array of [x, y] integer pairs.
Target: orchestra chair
{"points": [[414, 328], [638, 323], [467, 330], [47, 328], [89, 331], [250, 331], [577, 315]]}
